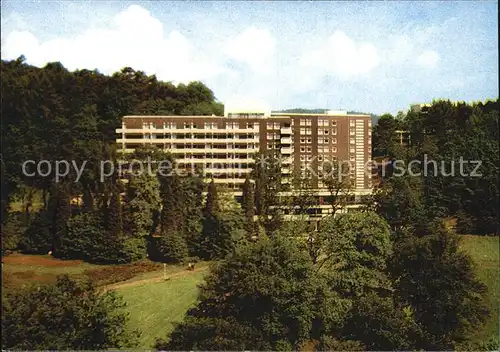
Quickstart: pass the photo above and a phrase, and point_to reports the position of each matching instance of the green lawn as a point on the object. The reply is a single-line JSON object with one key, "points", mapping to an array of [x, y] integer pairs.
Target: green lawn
{"points": [[485, 253], [155, 307]]}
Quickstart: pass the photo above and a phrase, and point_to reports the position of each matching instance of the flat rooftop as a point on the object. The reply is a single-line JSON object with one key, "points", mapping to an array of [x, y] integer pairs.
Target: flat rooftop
{"points": [[277, 115]]}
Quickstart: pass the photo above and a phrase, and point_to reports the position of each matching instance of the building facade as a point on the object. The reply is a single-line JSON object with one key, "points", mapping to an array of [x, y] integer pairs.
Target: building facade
{"points": [[227, 147]]}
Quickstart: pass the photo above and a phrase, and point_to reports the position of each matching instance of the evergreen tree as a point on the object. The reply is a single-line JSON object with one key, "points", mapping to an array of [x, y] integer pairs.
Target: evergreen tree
{"points": [[223, 225], [87, 239], [171, 246], [212, 202], [141, 202], [114, 216], [193, 205], [172, 213], [248, 207], [59, 209], [268, 185], [38, 237]]}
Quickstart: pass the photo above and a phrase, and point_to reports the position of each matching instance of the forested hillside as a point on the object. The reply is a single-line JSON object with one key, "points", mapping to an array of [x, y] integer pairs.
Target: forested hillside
{"points": [[52, 114]]}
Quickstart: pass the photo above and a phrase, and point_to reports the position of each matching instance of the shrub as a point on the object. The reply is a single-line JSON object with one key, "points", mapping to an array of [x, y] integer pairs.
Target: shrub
{"points": [[67, 315], [37, 238]]}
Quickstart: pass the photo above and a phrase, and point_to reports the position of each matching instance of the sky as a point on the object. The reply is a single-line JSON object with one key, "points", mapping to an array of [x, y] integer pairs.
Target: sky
{"points": [[374, 57]]}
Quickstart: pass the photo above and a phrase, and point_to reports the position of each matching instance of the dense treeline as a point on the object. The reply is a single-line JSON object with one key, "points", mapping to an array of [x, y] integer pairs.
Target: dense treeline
{"points": [[445, 135], [52, 114], [366, 290]]}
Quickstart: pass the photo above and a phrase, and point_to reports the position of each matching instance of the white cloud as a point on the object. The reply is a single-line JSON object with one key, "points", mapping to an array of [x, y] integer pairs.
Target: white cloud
{"points": [[134, 38], [14, 19], [428, 58], [342, 57], [254, 47], [401, 47]]}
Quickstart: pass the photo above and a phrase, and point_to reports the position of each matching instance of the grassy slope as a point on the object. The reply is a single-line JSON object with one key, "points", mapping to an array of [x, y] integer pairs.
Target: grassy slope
{"points": [[485, 252], [155, 307]]}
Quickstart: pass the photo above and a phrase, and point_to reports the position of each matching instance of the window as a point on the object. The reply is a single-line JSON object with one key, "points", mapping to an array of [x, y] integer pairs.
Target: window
{"points": [[302, 149], [352, 123], [210, 125], [302, 140], [309, 149], [149, 125], [309, 140], [352, 141], [334, 140], [334, 123], [352, 150], [169, 125], [334, 131], [334, 149], [305, 131], [352, 132]]}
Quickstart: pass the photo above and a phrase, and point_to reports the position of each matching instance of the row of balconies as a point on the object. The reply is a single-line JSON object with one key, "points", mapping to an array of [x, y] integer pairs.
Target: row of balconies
{"points": [[283, 130], [202, 150], [187, 130], [188, 140]]}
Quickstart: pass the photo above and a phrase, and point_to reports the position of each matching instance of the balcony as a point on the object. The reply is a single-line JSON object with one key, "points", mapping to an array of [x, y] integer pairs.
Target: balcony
{"points": [[286, 130], [286, 140], [286, 151]]}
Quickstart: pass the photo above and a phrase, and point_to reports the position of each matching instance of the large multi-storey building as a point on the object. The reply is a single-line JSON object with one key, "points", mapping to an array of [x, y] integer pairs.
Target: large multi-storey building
{"points": [[227, 147]]}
